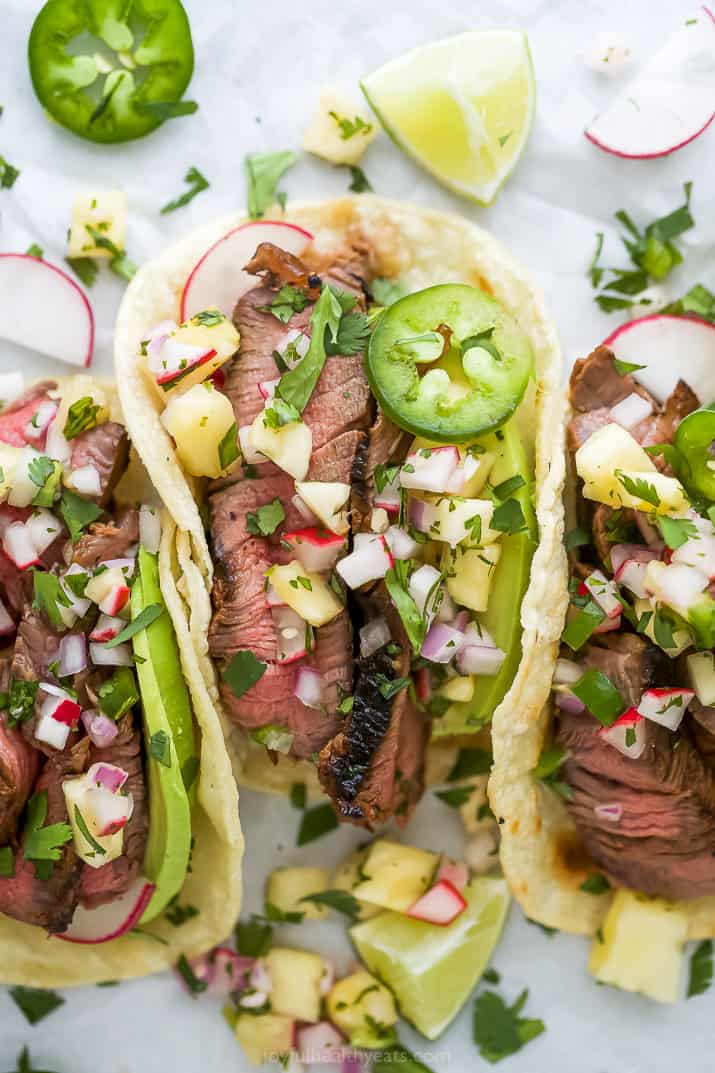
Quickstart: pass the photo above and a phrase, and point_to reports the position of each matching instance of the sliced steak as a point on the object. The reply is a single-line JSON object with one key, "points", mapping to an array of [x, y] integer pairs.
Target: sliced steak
{"points": [[100, 885], [107, 540], [19, 764], [106, 447], [630, 662], [19, 413]]}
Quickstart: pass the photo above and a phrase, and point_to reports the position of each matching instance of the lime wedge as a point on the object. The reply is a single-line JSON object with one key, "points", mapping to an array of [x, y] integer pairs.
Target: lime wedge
{"points": [[462, 107], [432, 969]]}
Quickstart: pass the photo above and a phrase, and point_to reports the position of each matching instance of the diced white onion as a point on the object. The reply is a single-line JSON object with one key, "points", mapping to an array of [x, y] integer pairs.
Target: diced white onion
{"points": [[630, 411], [86, 480], [73, 654], [117, 656], [374, 635], [309, 687]]}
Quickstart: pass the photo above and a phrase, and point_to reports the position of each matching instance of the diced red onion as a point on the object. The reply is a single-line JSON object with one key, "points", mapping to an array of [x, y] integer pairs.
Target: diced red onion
{"points": [[154, 343], [110, 776], [431, 471], [460, 621], [567, 672], [101, 730], [86, 480], [422, 515], [401, 543], [290, 633], [309, 687], [569, 702], [320, 1043], [480, 659], [73, 654], [610, 813], [630, 411], [149, 528], [374, 635], [116, 656], [260, 978], [44, 528], [7, 624], [442, 643], [304, 510]]}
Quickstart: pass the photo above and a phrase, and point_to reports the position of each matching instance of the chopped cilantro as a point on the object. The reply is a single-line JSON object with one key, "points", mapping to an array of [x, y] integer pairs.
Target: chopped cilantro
{"points": [[640, 488], [97, 848], [387, 291], [576, 538], [145, 618], [339, 900], [119, 693], [595, 884], [8, 174], [509, 517], [350, 127], [19, 700], [512, 484], [266, 519], [118, 262], [49, 597], [43, 845], [194, 985], [316, 822], [82, 415], [35, 1003], [85, 268], [456, 797], [470, 762], [160, 747], [499, 1030], [700, 975], [7, 862], [263, 172], [34, 250], [298, 795], [242, 672], [253, 937], [178, 914], [77, 513], [228, 449], [359, 182], [196, 182], [288, 300], [675, 531], [296, 386], [625, 368]]}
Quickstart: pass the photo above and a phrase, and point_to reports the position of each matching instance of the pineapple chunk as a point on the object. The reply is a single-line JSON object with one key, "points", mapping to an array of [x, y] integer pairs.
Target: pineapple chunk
{"points": [[642, 947], [701, 670], [609, 449], [359, 1005], [296, 976], [397, 875], [458, 689], [308, 594], [113, 845], [681, 637], [341, 129], [9, 457], [286, 887], [453, 517], [471, 573], [288, 446], [325, 499], [82, 387], [265, 1035], [211, 331], [200, 421], [106, 212], [347, 876], [665, 494]]}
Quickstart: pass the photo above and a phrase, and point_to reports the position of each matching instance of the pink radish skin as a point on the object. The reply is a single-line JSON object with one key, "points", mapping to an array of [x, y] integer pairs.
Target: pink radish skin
{"points": [[441, 904], [218, 280], [109, 921], [655, 338], [28, 284]]}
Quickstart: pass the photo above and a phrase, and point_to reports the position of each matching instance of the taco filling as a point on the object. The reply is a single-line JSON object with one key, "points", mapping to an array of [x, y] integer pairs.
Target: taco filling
{"points": [[635, 685], [369, 513], [96, 761]]}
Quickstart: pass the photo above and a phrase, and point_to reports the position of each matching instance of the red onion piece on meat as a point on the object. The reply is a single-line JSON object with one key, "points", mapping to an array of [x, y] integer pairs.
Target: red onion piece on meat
{"points": [[611, 813], [569, 702], [309, 687], [110, 776], [100, 728]]}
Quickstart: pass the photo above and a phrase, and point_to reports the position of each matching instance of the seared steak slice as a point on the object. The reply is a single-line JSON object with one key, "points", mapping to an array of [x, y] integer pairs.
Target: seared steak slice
{"points": [[19, 764], [664, 843], [36, 646], [15, 586], [106, 447], [19, 413], [100, 885], [107, 540], [631, 663]]}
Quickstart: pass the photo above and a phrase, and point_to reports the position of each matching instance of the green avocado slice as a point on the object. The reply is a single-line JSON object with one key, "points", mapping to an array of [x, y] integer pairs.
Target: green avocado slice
{"points": [[169, 740], [503, 616]]}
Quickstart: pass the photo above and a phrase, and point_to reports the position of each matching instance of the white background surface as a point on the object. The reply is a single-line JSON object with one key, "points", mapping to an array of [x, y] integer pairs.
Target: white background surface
{"points": [[258, 71]]}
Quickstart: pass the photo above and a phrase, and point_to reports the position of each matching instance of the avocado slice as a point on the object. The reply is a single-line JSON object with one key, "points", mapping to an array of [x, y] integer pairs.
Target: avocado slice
{"points": [[503, 615], [172, 759]]}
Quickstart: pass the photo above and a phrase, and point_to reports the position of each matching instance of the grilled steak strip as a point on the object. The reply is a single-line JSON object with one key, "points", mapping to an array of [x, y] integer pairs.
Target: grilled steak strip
{"points": [[106, 447], [19, 764]]}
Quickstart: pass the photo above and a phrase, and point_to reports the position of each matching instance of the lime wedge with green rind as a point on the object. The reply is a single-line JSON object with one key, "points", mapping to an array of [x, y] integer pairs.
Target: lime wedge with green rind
{"points": [[432, 969], [462, 107]]}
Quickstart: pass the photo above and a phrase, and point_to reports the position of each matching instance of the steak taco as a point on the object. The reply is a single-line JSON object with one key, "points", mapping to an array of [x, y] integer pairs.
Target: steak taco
{"points": [[352, 414], [120, 847], [607, 799]]}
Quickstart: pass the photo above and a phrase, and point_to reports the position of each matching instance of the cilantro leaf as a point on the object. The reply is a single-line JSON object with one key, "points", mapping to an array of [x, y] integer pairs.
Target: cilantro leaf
{"points": [[77, 513], [49, 597], [35, 1003], [675, 531], [470, 762], [595, 884], [33, 250], [282, 916], [512, 484], [228, 449], [457, 796], [40, 469], [412, 620], [550, 760], [97, 848], [266, 519], [253, 937], [288, 300], [8, 174], [196, 182], [625, 368], [396, 1057], [263, 172], [85, 268], [352, 337], [640, 488], [119, 262], [194, 985], [509, 517], [339, 900], [7, 862], [498, 1029], [316, 822], [48, 479], [82, 415], [595, 271], [359, 181], [298, 795], [700, 975], [43, 843], [296, 386], [350, 127], [145, 618], [119, 693], [160, 747], [242, 672], [577, 538], [19, 700]]}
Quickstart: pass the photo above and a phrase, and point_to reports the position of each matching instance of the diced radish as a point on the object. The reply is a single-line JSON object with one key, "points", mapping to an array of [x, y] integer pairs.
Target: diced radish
{"points": [[12, 386], [59, 713], [49, 731], [176, 360], [108, 590], [665, 706], [658, 337], [315, 549], [107, 628], [290, 634], [612, 813], [19, 546], [368, 562], [112, 919], [631, 411], [252, 1000], [609, 625], [389, 497], [107, 812], [7, 623], [441, 904], [86, 480], [65, 330], [698, 551], [102, 655], [604, 593], [424, 587], [422, 515], [251, 456], [267, 388], [455, 872], [632, 574], [462, 474], [100, 728], [222, 970], [110, 776], [73, 654], [78, 606], [44, 528], [218, 280], [293, 347], [430, 469], [567, 672], [260, 978], [442, 643], [669, 102], [623, 553], [627, 734], [676, 585], [304, 510], [320, 1043], [149, 528], [309, 687], [36, 427], [401, 543], [374, 635]]}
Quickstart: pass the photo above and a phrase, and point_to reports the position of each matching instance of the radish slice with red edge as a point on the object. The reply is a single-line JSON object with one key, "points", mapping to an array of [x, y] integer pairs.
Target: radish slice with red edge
{"points": [[218, 280], [627, 734], [65, 330], [455, 872], [669, 103], [653, 340], [665, 706], [429, 470], [316, 549], [441, 904], [111, 920], [320, 1043]]}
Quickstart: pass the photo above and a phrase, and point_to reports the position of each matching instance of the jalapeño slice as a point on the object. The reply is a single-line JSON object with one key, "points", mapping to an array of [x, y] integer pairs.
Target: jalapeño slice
{"points": [[695, 439], [109, 70], [448, 363]]}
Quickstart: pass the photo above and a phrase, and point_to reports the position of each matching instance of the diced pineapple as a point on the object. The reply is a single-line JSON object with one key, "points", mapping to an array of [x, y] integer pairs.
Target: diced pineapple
{"points": [[347, 876], [681, 637], [476, 482], [82, 387], [295, 982], [211, 331], [75, 791], [360, 1006], [106, 212], [9, 457], [609, 449], [326, 500], [341, 129], [458, 689], [397, 875], [469, 575], [289, 446], [653, 492], [456, 521], [200, 421], [286, 887], [701, 670], [641, 947], [264, 1036], [307, 593]]}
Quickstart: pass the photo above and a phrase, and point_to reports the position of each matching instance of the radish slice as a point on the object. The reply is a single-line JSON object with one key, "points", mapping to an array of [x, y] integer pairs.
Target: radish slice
{"points": [[627, 734], [370, 560], [111, 920], [604, 593], [218, 280], [19, 546], [320, 1043], [669, 103], [630, 411], [315, 549], [665, 706], [655, 339], [441, 904], [309, 687], [65, 329], [455, 872]]}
